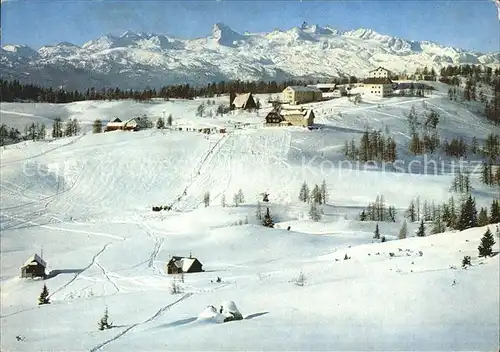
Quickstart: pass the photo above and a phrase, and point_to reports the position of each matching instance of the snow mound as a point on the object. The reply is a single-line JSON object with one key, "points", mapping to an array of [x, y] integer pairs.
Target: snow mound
{"points": [[228, 311], [210, 315]]}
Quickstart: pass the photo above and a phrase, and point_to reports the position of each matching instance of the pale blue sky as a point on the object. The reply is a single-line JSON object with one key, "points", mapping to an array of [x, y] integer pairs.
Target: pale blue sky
{"points": [[469, 24]]}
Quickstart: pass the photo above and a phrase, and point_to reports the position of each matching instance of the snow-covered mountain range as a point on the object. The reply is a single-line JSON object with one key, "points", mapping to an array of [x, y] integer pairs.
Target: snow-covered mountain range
{"points": [[139, 60]]}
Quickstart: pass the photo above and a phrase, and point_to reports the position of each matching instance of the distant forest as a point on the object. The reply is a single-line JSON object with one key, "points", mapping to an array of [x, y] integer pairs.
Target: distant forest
{"points": [[16, 91], [475, 76]]}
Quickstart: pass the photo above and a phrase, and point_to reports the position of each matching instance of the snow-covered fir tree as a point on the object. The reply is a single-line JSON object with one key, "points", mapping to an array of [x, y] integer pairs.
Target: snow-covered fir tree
{"points": [[44, 296], [403, 231], [421, 229], [376, 234], [267, 221], [485, 248], [304, 193], [104, 323]]}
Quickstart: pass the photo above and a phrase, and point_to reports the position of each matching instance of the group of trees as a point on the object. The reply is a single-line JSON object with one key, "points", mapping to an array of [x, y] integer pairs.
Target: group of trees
{"points": [[15, 91], [461, 182], [318, 194], [32, 131], [490, 174], [378, 211], [476, 78], [315, 198], [426, 140], [452, 214], [373, 146], [161, 123], [479, 73]]}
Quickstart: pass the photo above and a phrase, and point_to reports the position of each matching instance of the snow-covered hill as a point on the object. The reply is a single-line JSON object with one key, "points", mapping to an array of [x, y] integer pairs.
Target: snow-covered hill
{"points": [[87, 201], [139, 60]]}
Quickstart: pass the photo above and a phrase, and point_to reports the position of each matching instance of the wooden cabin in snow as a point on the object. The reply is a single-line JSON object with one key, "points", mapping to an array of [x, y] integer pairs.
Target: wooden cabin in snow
{"points": [[117, 124], [242, 101], [274, 119], [179, 265], [33, 267]]}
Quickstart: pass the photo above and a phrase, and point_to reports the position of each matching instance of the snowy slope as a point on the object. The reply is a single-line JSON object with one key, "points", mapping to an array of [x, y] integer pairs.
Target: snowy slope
{"points": [[87, 202], [139, 60]]}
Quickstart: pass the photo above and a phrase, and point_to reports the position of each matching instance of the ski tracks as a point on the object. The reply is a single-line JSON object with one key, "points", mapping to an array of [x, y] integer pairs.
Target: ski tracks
{"points": [[107, 276], [156, 249], [44, 152], [150, 319], [94, 260]]}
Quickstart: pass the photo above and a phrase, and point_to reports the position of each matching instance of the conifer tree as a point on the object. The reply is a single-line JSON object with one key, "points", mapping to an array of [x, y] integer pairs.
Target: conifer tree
{"points": [[376, 234], [411, 211], [169, 120], [57, 128], [403, 232], [304, 193], [468, 215], [314, 212], [97, 126], [44, 296], [421, 229], [267, 221], [482, 218], [316, 195], [104, 323], [258, 211], [495, 212], [486, 247], [223, 201], [200, 110], [206, 199], [30, 131], [160, 123], [450, 214], [362, 216], [241, 197], [324, 192], [438, 225], [466, 262]]}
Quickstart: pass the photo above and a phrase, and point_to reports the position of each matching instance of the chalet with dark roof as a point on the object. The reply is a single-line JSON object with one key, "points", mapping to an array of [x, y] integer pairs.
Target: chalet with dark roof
{"points": [[242, 101], [180, 265], [34, 267]]}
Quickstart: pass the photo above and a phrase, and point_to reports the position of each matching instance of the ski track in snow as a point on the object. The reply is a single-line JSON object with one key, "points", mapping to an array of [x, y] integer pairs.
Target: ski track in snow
{"points": [[197, 170], [156, 249], [152, 318], [76, 139], [94, 259], [68, 230], [107, 276]]}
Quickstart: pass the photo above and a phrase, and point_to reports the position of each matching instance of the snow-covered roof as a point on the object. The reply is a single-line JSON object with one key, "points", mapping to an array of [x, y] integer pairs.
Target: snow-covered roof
{"points": [[303, 89], [380, 68], [323, 85], [241, 100], [186, 264], [294, 112], [115, 124], [35, 259], [377, 80], [183, 262]]}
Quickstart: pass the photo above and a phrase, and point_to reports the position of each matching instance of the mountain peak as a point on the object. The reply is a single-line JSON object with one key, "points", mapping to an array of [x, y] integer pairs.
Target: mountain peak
{"points": [[224, 35], [131, 34]]}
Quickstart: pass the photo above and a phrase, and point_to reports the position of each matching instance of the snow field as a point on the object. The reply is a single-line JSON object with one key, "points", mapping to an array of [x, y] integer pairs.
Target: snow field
{"points": [[87, 202]]}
